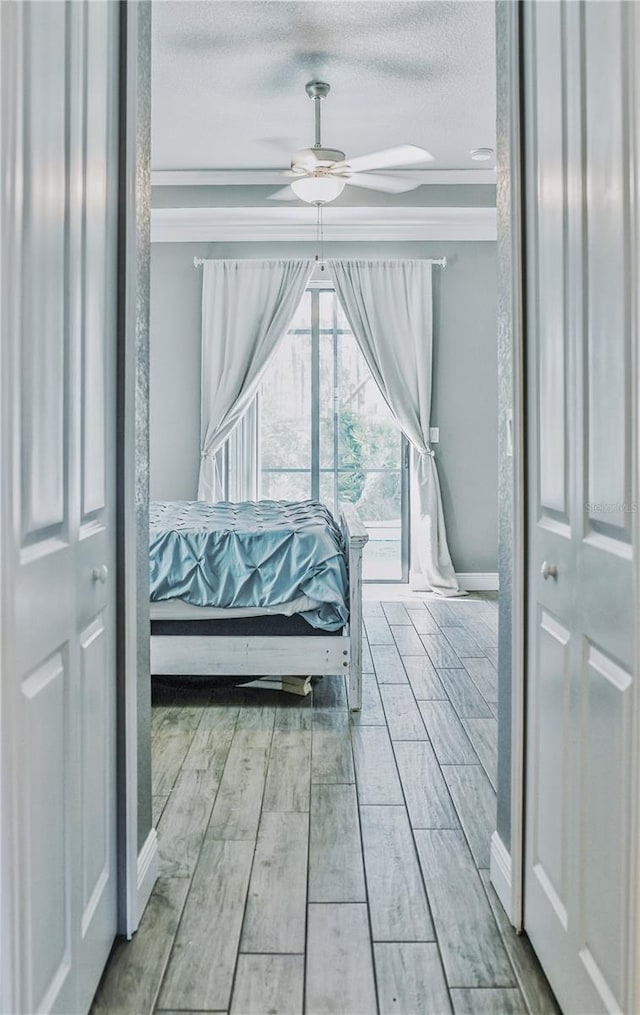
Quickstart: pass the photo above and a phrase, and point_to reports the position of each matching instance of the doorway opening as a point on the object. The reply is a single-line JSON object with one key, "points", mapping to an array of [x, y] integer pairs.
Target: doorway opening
{"points": [[310, 436]]}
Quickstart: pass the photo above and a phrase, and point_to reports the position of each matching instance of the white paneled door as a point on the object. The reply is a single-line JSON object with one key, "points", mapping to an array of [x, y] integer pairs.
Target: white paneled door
{"points": [[582, 340], [59, 324]]}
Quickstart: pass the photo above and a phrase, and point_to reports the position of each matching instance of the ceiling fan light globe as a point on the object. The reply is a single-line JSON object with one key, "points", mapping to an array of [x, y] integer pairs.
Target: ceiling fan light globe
{"points": [[318, 189]]}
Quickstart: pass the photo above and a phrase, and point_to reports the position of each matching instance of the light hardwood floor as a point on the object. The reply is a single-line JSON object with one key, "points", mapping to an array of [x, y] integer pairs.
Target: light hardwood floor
{"points": [[318, 862]]}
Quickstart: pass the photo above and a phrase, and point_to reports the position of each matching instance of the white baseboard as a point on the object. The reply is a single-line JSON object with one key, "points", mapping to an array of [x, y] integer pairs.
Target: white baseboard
{"points": [[469, 581], [478, 581], [501, 872], [147, 870]]}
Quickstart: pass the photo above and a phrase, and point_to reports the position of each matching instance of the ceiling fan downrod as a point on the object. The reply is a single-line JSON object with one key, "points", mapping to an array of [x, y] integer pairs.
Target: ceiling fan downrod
{"points": [[317, 90]]}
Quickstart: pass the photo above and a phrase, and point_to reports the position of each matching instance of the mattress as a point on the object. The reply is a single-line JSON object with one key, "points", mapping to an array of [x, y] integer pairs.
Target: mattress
{"points": [[177, 609], [253, 554]]}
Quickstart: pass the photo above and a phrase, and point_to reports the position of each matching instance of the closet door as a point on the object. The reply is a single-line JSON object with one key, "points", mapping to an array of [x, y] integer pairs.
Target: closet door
{"points": [[582, 342], [59, 319]]}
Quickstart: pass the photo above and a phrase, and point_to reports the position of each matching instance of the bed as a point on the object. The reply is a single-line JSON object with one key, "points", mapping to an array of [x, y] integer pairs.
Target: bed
{"points": [[269, 589]]}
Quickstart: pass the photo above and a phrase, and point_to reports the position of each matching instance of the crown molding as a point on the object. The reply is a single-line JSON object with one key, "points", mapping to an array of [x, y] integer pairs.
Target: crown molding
{"points": [[273, 177], [224, 225]]}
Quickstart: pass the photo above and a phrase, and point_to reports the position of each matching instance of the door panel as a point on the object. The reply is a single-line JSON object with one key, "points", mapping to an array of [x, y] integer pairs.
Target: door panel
{"points": [[59, 304], [98, 317], [580, 654], [607, 235], [44, 348], [606, 739], [95, 763], [46, 829], [552, 364], [550, 783]]}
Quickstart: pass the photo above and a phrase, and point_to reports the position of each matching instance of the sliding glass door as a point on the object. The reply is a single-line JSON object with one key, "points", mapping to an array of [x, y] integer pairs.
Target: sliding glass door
{"points": [[326, 433]]}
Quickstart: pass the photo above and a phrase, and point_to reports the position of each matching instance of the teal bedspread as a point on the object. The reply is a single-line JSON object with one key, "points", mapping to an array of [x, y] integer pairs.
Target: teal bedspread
{"points": [[254, 553]]}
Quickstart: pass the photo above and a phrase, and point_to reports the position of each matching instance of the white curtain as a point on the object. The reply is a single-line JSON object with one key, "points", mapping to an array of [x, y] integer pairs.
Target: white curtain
{"points": [[242, 456], [389, 307], [235, 464], [247, 307]]}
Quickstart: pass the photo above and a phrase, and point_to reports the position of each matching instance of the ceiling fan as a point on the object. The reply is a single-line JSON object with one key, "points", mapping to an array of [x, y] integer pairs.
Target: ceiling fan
{"points": [[320, 174]]}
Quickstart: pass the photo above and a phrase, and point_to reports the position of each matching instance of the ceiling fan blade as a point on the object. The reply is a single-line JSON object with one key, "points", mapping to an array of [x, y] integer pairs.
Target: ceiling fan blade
{"points": [[374, 181], [285, 194], [404, 155]]}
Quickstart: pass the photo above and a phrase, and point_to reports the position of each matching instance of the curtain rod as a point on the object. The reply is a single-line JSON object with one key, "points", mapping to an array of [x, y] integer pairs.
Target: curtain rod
{"points": [[441, 261]]}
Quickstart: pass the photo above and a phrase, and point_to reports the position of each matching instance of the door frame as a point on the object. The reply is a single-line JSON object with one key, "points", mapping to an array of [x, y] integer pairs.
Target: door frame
{"points": [[507, 864], [634, 888], [126, 589], [512, 264], [137, 862]]}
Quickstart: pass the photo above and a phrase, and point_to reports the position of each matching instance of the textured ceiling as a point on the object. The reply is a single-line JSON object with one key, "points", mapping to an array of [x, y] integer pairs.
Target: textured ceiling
{"points": [[228, 79]]}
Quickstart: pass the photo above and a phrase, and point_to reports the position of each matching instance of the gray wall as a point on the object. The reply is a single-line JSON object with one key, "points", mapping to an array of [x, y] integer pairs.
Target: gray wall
{"points": [[464, 390]]}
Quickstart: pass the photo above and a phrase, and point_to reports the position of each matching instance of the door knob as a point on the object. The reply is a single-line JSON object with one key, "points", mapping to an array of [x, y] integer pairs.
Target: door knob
{"points": [[549, 571], [100, 574]]}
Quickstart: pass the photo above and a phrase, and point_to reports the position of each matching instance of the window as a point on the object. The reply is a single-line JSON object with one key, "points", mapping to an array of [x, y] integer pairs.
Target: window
{"points": [[326, 433]]}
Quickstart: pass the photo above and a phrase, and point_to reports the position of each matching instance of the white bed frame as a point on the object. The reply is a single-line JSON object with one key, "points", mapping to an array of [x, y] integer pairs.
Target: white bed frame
{"points": [[304, 655]]}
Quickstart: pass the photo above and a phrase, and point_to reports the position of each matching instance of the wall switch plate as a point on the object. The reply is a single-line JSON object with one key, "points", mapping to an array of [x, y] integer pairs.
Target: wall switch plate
{"points": [[434, 434]]}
